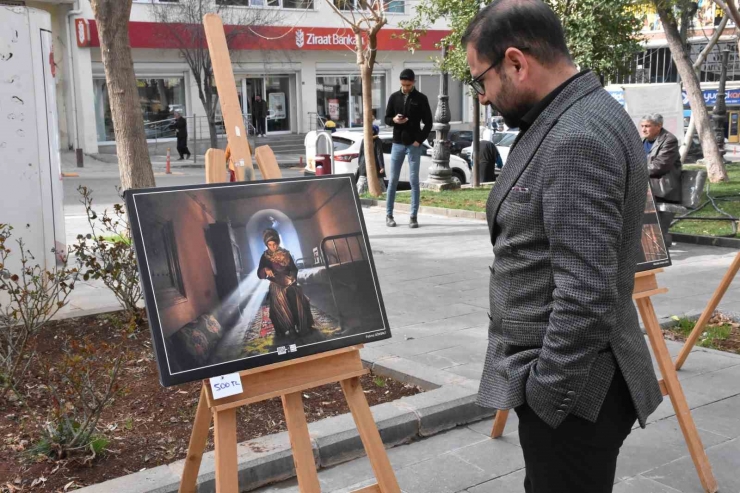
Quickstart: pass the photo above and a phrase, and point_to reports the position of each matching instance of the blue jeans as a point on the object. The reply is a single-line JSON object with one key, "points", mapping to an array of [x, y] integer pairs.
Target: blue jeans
{"points": [[398, 153]]}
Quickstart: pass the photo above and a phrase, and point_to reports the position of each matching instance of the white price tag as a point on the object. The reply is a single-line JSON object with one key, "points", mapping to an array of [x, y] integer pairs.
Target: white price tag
{"points": [[238, 131], [226, 385], [241, 163]]}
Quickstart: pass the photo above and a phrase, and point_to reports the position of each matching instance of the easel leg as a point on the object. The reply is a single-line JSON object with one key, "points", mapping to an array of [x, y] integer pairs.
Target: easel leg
{"points": [[708, 311], [499, 423], [300, 441], [198, 439], [675, 392], [370, 436], [227, 475]]}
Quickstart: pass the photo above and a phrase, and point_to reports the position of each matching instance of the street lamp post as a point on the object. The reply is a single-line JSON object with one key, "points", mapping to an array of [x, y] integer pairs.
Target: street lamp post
{"points": [[440, 175], [719, 113]]}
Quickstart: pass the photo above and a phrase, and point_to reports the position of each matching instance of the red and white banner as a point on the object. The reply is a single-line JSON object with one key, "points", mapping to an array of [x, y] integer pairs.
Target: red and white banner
{"points": [[155, 35]]}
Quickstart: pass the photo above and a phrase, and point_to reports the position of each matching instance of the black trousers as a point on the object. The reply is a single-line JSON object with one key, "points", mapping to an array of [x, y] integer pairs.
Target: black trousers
{"points": [[260, 126], [182, 145], [579, 456]]}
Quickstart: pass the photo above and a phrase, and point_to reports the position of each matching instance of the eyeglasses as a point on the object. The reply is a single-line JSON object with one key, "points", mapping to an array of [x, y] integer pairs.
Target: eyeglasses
{"points": [[477, 83]]}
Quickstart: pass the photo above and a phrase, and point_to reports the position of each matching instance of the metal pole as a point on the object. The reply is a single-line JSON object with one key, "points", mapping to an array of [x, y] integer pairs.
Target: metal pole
{"points": [[719, 113], [476, 141], [440, 175], [195, 138]]}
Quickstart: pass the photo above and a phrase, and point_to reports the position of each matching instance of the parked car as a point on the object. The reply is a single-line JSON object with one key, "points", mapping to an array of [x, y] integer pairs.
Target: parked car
{"points": [[347, 152], [502, 141], [459, 140]]}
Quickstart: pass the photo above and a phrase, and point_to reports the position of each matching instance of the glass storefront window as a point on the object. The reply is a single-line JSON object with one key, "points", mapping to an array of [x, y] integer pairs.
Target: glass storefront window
{"points": [[339, 98], [159, 99], [278, 103], [379, 101], [332, 99], [429, 85]]}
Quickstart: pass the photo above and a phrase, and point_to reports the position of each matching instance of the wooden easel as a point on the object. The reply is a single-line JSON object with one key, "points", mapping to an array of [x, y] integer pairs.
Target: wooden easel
{"points": [[287, 380], [646, 285], [708, 311]]}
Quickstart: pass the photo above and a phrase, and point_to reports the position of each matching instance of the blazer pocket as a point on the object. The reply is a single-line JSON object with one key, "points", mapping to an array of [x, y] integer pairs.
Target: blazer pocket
{"points": [[520, 195], [529, 334]]}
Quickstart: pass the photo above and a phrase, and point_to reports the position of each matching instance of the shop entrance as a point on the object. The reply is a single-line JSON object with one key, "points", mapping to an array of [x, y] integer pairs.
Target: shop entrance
{"points": [[733, 133], [275, 91]]}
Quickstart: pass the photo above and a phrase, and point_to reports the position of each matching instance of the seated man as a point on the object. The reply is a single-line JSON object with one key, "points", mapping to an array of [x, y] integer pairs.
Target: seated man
{"points": [[664, 166]]}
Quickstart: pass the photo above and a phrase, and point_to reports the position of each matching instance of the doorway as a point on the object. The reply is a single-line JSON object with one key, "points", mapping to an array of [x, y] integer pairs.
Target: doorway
{"points": [[733, 132], [275, 90]]}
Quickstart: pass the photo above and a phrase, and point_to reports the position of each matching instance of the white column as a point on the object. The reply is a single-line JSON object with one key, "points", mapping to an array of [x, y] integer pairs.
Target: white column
{"points": [[82, 65], [307, 89]]}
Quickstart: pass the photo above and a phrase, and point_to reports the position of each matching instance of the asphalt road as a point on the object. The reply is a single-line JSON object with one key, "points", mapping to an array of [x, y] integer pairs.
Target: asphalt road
{"points": [[104, 193]]}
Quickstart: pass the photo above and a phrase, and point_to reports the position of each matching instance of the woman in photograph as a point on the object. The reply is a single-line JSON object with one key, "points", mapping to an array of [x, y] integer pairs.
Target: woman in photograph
{"points": [[290, 309]]}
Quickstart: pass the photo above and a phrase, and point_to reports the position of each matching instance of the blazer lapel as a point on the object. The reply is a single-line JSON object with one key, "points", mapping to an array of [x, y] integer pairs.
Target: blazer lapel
{"points": [[527, 145]]}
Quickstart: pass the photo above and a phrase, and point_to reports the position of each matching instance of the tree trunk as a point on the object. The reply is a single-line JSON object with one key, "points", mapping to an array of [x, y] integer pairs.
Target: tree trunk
{"points": [[476, 142], [213, 132], [134, 165], [207, 98], [686, 146], [373, 183], [714, 162]]}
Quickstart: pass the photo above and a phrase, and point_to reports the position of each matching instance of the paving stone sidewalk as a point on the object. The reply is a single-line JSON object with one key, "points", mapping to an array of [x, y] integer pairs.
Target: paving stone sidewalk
{"points": [[434, 281]]}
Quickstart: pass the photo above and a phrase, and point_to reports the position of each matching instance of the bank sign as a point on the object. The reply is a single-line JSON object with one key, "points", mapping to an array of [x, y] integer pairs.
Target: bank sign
{"points": [[732, 97], [301, 38]]}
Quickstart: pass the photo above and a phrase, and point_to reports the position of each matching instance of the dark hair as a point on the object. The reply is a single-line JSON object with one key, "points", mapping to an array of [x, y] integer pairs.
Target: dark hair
{"points": [[408, 74], [529, 25]]}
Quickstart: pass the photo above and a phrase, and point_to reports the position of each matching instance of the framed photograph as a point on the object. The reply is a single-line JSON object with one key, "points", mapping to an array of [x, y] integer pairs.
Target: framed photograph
{"points": [[654, 251], [241, 275]]}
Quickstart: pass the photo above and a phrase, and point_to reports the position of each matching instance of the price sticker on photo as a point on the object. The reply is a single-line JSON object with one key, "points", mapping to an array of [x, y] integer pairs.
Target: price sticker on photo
{"points": [[226, 385]]}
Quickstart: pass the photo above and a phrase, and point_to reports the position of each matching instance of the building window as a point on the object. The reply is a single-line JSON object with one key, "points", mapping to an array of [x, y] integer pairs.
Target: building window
{"points": [[286, 4], [339, 98], [429, 85], [392, 6], [159, 99]]}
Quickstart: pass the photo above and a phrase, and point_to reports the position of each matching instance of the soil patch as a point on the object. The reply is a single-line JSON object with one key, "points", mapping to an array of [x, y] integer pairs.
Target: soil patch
{"points": [[722, 332], [147, 425]]}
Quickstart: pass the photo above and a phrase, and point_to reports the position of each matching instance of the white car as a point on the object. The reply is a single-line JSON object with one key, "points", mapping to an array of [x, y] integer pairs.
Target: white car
{"points": [[502, 141], [347, 152]]}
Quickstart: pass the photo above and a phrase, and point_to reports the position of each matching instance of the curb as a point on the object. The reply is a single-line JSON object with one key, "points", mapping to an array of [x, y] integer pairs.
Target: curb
{"points": [[425, 209], [440, 211], [449, 402], [707, 240]]}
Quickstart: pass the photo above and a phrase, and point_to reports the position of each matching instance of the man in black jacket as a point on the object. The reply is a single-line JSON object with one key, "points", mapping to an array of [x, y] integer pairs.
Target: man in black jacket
{"points": [[259, 112], [181, 125], [407, 109]]}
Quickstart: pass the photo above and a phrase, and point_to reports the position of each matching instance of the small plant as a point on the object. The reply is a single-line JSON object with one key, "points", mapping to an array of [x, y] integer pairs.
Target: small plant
{"points": [[79, 396], [28, 300], [107, 254], [379, 381], [718, 329]]}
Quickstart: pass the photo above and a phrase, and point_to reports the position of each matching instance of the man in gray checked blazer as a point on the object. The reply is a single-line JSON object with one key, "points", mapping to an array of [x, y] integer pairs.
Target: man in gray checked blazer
{"points": [[565, 347]]}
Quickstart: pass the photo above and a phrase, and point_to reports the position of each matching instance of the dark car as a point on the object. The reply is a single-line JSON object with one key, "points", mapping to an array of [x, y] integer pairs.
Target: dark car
{"points": [[459, 140]]}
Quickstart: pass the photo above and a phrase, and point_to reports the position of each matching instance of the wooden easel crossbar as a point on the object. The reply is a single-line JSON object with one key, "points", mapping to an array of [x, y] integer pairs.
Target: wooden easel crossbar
{"points": [[646, 285], [287, 380]]}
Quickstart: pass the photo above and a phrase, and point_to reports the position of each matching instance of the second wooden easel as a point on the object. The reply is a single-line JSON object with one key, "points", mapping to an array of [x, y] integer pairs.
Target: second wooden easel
{"points": [[287, 380], [708, 312], [646, 285]]}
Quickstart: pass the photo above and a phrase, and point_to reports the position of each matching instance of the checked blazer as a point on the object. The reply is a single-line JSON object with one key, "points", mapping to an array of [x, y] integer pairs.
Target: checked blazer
{"points": [[565, 217]]}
